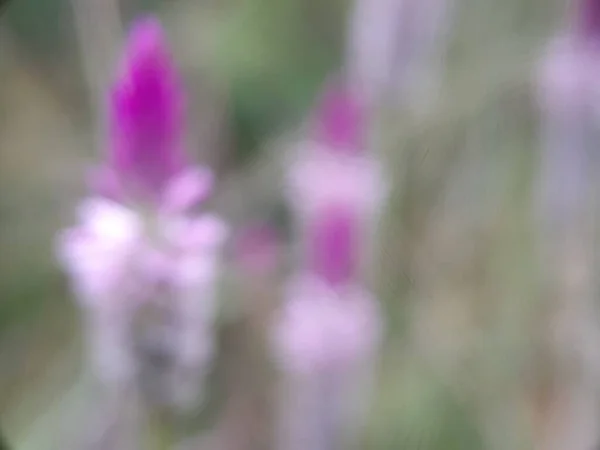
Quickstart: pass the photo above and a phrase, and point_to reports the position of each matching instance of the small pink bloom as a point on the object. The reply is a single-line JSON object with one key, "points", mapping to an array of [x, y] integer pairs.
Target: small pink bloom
{"points": [[138, 240], [320, 328], [146, 228], [333, 166], [318, 178]]}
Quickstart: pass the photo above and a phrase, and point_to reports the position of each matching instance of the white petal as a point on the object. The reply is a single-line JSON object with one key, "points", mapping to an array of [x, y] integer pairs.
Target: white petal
{"points": [[97, 255], [110, 220]]}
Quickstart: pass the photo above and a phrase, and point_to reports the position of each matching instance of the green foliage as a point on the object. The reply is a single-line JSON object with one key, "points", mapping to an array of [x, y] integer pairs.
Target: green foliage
{"points": [[417, 412], [42, 26], [273, 55]]}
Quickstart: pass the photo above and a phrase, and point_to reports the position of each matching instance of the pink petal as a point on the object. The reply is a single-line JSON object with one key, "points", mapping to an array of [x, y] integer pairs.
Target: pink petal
{"points": [[187, 189]]}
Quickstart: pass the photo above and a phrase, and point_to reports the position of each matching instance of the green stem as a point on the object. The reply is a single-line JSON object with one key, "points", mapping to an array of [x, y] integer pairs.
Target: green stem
{"points": [[161, 430]]}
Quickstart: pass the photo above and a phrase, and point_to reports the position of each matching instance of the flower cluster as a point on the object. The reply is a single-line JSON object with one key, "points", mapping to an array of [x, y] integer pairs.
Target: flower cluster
{"points": [[141, 245], [329, 326], [138, 241]]}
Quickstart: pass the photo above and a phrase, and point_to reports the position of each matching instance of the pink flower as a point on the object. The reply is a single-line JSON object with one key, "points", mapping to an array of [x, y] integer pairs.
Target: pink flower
{"points": [[328, 331], [137, 240], [323, 329], [336, 187], [326, 342]]}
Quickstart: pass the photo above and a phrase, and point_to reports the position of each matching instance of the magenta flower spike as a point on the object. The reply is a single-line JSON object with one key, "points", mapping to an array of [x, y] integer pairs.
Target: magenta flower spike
{"points": [[146, 113], [146, 116], [333, 165], [138, 245]]}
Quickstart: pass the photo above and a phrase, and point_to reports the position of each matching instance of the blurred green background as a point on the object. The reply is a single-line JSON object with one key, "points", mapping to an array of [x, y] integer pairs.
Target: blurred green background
{"points": [[455, 270]]}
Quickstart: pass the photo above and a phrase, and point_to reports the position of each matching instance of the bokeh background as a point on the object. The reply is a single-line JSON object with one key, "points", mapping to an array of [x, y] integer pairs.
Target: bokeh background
{"points": [[463, 363]]}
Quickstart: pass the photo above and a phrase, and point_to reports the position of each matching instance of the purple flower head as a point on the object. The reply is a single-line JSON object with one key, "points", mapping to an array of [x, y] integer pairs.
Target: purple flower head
{"points": [[138, 241], [340, 120], [146, 114], [333, 240], [588, 19]]}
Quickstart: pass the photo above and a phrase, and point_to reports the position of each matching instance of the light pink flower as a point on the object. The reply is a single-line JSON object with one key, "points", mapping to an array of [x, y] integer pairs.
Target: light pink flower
{"points": [[138, 241], [324, 329], [335, 186], [328, 330]]}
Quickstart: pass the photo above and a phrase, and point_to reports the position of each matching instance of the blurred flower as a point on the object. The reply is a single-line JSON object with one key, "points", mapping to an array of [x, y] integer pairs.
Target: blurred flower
{"points": [[328, 330], [326, 344], [137, 242], [335, 186], [325, 330], [146, 120]]}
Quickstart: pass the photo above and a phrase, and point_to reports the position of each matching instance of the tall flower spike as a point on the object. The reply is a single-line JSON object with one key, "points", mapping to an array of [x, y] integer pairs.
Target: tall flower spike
{"points": [[329, 328], [146, 114], [138, 245]]}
